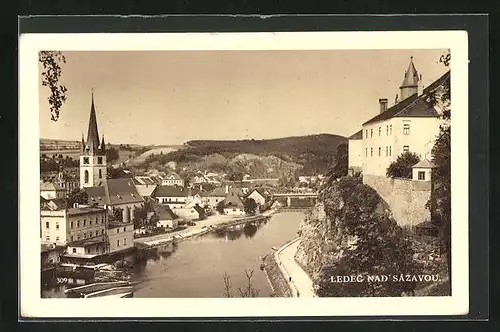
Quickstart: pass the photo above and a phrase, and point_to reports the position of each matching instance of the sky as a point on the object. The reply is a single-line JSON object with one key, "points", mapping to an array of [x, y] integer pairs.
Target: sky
{"points": [[170, 97]]}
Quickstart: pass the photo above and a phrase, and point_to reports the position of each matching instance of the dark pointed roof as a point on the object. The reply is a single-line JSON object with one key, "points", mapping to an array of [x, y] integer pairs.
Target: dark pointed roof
{"points": [[93, 134], [411, 76], [413, 106]]}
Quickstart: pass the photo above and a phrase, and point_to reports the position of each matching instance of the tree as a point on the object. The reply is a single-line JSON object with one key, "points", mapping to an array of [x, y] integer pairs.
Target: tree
{"points": [[79, 196], [117, 173], [112, 155], [247, 291], [116, 215], [440, 201], [250, 206], [51, 73], [235, 176], [140, 216], [341, 162], [402, 166], [220, 207]]}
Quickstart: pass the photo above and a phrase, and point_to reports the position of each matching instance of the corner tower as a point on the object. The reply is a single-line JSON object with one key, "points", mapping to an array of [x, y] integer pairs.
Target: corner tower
{"points": [[410, 83], [92, 155]]}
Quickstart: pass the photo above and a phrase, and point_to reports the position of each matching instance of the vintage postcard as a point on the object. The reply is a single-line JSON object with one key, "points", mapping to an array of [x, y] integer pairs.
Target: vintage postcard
{"points": [[186, 173]]}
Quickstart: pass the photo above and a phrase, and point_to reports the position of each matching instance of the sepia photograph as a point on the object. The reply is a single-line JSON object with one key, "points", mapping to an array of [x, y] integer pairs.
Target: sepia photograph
{"points": [[253, 172]]}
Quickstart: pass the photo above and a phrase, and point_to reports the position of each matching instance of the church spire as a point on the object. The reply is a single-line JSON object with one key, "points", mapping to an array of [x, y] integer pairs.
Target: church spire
{"points": [[93, 134], [410, 82]]}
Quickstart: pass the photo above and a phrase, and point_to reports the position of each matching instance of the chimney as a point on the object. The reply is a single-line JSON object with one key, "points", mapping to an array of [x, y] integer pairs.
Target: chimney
{"points": [[383, 104]]}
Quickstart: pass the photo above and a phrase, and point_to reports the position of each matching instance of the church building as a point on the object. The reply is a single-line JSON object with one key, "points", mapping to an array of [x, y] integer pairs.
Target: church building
{"points": [[92, 155]]}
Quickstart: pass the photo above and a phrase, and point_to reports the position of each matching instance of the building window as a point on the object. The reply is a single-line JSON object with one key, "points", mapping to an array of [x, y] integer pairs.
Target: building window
{"points": [[366, 133], [57, 225], [57, 238], [84, 235], [102, 232], [47, 225], [124, 229], [124, 242], [88, 250], [406, 148], [78, 237], [85, 160], [379, 149], [71, 224], [117, 230], [371, 132], [47, 238], [387, 130], [96, 220], [72, 238], [386, 151], [117, 243], [406, 129], [380, 131], [390, 129], [86, 176], [390, 151], [371, 152], [102, 220], [78, 223], [74, 250], [99, 160], [90, 235], [90, 222], [100, 174], [421, 175], [366, 152], [84, 222]]}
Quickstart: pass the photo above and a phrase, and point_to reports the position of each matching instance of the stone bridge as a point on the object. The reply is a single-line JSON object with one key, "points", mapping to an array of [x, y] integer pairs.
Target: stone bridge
{"points": [[297, 199]]}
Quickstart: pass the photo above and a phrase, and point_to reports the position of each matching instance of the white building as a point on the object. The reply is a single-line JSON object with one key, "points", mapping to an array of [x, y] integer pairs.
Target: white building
{"points": [[172, 179], [258, 197], [355, 153], [64, 226], [410, 125]]}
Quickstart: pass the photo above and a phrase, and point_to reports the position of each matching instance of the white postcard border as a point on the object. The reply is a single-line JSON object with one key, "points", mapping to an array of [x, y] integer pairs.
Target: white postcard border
{"points": [[32, 305]]}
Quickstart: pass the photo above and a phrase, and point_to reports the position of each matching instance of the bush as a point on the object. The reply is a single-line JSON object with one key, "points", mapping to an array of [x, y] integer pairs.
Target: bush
{"points": [[402, 166]]}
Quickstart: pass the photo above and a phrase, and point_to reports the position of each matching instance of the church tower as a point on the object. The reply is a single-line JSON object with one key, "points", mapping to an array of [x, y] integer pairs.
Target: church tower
{"points": [[92, 155], [410, 83]]}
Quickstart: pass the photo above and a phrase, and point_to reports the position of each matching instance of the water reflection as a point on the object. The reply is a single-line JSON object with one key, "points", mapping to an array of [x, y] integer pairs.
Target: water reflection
{"points": [[235, 232]]}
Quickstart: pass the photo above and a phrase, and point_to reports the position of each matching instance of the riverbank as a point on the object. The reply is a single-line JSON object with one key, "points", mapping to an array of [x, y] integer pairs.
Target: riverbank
{"points": [[202, 227]]}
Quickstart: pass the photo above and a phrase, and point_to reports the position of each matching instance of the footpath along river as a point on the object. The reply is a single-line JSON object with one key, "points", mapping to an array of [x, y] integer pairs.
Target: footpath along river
{"points": [[196, 266]]}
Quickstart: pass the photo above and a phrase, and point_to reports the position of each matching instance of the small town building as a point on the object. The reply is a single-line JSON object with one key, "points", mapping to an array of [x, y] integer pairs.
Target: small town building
{"points": [[62, 226], [166, 218], [422, 170], [116, 193], [146, 190], [173, 196], [52, 190], [172, 179], [233, 205], [258, 196], [216, 196]]}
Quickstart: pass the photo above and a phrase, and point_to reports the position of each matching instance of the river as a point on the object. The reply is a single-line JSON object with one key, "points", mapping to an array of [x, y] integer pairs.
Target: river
{"points": [[196, 267]]}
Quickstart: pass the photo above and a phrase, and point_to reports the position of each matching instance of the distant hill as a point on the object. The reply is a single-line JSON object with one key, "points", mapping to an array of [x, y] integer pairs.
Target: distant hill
{"points": [[314, 153]]}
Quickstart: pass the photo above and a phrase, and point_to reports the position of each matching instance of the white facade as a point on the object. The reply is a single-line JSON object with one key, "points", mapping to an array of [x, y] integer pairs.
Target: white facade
{"points": [[355, 153], [384, 141], [168, 223], [93, 170], [65, 226], [120, 237], [234, 211], [257, 197]]}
